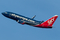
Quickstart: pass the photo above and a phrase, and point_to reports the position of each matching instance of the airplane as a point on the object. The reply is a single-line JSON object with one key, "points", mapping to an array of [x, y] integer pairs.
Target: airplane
{"points": [[30, 21]]}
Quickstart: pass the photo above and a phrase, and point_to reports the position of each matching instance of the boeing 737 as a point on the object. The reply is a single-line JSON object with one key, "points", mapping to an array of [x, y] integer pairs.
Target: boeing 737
{"points": [[30, 21]]}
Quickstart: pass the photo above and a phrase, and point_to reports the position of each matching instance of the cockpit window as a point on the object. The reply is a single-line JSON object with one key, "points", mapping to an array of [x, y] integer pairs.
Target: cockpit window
{"points": [[6, 12]]}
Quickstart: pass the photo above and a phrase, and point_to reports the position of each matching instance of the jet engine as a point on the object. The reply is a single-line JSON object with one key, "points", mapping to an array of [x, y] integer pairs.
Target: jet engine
{"points": [[19, 21]]}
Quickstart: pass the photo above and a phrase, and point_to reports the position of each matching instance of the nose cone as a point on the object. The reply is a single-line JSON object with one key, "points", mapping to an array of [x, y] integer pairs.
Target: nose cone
{"points": [[2, 13], [5, 14]]}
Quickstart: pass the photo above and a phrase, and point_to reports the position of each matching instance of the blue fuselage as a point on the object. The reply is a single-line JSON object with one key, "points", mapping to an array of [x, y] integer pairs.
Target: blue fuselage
{"points": [[21, 19]]}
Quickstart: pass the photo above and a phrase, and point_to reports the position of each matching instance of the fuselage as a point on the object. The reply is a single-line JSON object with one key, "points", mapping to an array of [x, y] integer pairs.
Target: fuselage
{"points": [[30, 21], [21, 19]]}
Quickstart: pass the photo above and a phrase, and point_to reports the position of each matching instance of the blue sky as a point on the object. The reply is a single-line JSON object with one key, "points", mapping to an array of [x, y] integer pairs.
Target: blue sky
{"points": [[43, 9]]}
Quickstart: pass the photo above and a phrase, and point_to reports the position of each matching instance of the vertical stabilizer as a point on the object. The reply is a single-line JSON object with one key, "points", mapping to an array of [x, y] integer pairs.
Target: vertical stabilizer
{"points": [[50, 21]]}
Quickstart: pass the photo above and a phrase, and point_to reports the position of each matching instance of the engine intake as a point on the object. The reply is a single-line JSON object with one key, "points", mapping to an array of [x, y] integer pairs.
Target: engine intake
{"points": [[19, 21]]}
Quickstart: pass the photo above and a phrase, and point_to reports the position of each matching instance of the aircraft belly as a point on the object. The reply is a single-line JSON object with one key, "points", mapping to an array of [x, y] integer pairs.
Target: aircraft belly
{"points": [[30, 23]]}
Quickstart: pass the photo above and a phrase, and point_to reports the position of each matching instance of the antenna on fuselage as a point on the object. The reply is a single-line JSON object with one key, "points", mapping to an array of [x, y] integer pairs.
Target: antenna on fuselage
{"points": [[33, 17]]}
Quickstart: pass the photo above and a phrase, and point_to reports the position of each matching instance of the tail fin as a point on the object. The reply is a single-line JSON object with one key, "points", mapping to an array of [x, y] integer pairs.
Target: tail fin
{"points": [[51, 21]]}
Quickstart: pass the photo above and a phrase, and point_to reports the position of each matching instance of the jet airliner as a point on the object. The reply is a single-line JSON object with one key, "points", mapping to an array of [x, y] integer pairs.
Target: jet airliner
{"points": [[30, 21]]}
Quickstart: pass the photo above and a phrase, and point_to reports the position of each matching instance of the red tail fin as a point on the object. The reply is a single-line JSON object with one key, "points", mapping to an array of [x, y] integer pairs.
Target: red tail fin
{"points": [[50, 21]]}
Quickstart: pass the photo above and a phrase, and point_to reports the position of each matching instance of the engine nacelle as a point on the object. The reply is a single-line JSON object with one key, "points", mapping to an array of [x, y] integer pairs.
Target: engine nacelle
{"points": [[19, 21]]}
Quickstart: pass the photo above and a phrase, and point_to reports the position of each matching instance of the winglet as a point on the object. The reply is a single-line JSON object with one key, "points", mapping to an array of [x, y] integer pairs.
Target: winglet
{"points": [[33, 17]]}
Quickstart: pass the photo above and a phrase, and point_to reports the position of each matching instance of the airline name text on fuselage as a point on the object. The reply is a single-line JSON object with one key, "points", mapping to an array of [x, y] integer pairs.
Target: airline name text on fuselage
{"points": [[22, 18]]}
